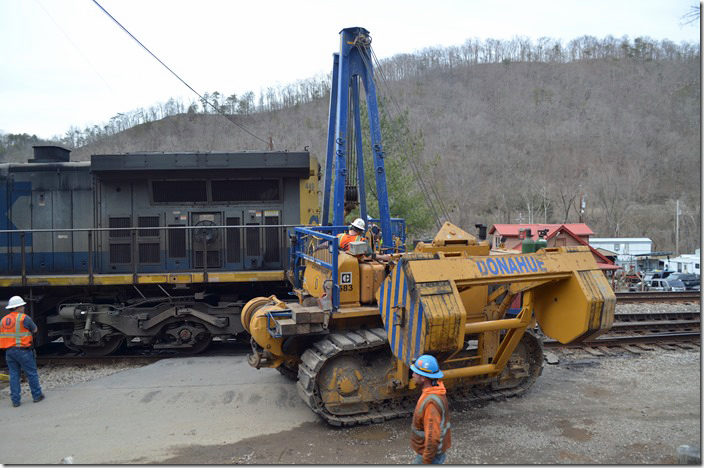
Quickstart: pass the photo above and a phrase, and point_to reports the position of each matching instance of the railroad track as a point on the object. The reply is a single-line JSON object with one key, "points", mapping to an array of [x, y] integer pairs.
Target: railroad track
{"points": [[658, 296], [143, 358], [630, 331], [638, 331]]}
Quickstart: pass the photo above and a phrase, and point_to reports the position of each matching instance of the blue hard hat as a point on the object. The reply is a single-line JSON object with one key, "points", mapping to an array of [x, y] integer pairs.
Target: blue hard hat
{"points": [[427, 366]]}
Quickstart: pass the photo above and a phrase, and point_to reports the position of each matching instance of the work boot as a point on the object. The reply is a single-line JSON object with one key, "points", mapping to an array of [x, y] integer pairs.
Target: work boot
{"points": [[41, 397], [15, 405]]}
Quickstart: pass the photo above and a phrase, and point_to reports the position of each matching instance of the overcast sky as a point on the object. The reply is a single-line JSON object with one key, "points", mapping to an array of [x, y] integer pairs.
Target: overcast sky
{"points": [[64, 62]]}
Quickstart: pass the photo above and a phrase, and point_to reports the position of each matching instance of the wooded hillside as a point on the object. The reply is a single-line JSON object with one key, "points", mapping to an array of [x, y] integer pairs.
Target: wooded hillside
{"points": [[511, 131]]}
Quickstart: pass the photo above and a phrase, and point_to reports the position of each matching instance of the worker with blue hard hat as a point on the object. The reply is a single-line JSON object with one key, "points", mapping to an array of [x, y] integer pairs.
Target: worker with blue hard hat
{"points": [[430, 429]]}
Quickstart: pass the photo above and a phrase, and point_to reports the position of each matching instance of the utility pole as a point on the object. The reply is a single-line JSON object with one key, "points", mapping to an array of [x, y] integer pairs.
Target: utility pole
{"points": [[677, 228], [582, 203]]}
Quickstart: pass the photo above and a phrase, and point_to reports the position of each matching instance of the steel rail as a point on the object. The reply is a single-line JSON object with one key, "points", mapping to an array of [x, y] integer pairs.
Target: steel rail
{"points": [[653, 338], [657, 296]]}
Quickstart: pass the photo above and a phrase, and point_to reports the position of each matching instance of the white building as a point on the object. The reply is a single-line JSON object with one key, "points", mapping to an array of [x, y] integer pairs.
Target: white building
{"points": [[687, 263], [625, 247]]}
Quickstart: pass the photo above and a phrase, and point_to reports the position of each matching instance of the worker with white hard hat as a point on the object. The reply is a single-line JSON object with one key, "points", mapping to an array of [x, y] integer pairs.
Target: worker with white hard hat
{"points": [[354, 233], [16, 330]]}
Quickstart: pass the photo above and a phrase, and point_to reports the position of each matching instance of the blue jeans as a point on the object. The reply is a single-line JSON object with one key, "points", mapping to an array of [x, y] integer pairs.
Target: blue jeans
{"points": [[22, 359], [438, 460]]}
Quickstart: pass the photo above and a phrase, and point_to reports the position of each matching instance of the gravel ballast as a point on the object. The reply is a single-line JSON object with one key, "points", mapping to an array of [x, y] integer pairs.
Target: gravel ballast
{"points": [[622, 408]]}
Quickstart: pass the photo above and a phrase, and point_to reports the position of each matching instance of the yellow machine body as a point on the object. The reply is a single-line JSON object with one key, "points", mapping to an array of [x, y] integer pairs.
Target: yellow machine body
{"points": [[437, 300]]}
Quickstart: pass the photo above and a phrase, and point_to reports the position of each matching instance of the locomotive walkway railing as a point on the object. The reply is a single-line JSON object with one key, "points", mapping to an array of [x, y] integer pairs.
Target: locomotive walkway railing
{"points": [[33, 252], [29, 253]]}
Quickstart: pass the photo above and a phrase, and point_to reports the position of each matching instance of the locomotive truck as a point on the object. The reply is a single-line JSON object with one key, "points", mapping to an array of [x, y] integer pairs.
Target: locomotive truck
{"points": [[362, 316], [158, 250]]}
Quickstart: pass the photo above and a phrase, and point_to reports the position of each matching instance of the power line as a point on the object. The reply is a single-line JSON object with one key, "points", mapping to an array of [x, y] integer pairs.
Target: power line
{"points": [[178, 77], [76, 47]]}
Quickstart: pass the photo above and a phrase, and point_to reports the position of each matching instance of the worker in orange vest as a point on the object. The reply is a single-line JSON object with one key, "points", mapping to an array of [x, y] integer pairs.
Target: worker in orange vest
{"points": [[354, 234], [16, 330], [430, 429]]}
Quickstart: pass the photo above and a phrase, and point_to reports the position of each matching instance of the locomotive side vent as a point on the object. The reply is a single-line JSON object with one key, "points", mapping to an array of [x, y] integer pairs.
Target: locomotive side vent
{"points": [[179, 191], [120, 253], [213, 259], [120, 241], [177, 242], [115, 223], [272, 240], [234, 254], [253, 241], [149, 252], [148, 221], [245, 190]]}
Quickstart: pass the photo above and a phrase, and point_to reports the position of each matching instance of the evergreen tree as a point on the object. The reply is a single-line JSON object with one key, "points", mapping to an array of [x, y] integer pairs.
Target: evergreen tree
{"points": [[399, 144]]}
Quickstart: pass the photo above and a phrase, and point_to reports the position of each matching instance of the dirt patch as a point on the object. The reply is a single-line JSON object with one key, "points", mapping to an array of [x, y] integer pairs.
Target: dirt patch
{"points": [[611, 410], [312, 443]]}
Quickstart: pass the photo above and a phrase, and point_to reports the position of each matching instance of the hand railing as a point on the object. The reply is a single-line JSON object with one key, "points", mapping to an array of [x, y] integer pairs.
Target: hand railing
{"points": [[30, 252], [318, 245]]}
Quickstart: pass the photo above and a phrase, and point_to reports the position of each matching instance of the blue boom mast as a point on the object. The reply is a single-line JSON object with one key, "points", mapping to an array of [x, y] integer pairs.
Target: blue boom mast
{"points": [[350, 67]]}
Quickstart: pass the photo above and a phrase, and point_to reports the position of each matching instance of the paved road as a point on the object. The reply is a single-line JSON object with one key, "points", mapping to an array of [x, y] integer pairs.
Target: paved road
{"points": [[624, 409], [138, 416]]}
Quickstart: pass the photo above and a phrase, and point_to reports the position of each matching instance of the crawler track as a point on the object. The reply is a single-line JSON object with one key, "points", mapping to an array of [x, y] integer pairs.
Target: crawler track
{"points": [[368, 341]]}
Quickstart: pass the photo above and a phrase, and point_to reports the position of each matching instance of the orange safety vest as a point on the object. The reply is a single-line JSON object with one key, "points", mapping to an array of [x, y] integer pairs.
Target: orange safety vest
{"points": [[13, 333], [436, 438], [345, 240]]}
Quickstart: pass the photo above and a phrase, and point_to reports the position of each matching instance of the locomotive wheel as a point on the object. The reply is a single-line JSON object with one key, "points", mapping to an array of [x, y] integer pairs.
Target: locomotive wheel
{"points": [[199, 346], [110, 345]]}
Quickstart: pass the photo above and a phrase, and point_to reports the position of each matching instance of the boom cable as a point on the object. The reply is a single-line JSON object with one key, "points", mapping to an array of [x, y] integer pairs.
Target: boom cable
{"points": [[427, 193], [228, 117], [433, 186]]}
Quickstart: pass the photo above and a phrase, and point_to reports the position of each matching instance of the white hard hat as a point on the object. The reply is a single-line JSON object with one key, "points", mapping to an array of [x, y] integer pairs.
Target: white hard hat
{"points": [[14, 302], [358, 224]]}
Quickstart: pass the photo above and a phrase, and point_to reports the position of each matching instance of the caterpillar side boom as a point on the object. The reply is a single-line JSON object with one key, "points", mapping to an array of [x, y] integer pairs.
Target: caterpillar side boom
{"points": [[360, 320]]}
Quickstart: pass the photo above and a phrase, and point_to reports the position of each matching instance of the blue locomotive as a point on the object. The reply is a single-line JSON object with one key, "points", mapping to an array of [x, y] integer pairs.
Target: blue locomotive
{"points": [[149, 249]]}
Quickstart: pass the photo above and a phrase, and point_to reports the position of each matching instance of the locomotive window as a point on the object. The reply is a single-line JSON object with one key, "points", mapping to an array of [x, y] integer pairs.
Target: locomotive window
{"points": [[245, 190], [179, 191], [115, 223], [148, 221]]}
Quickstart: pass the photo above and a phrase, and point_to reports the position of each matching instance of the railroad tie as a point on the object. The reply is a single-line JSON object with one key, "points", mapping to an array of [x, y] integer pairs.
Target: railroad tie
{"points": [[593, 351], [632, 349]]}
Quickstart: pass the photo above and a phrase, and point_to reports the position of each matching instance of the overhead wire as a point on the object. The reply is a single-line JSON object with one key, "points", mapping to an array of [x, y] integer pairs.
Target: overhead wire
{"points": [[76, 47], [239, 125]]}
